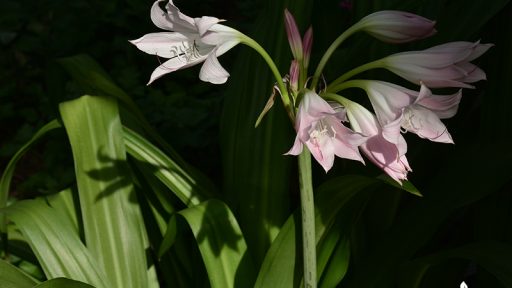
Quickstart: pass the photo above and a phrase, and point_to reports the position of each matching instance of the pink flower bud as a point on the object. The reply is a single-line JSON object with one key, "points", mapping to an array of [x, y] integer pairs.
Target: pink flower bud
{"points": [[293, 35], [397, 26]]}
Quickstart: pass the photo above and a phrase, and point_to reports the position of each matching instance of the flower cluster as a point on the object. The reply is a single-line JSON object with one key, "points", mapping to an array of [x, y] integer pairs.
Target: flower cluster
{"points": [[340, 127], [397, 110]]}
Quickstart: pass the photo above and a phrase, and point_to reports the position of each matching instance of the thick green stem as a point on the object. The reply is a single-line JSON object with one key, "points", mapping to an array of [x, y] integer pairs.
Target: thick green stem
{"points": [[308, 219], [329, 52], [285, 97], [348, 84], [355, 71]]}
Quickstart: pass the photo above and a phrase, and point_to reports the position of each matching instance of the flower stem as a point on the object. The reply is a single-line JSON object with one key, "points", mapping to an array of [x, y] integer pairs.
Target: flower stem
{"points": [[308, 219], [329, 52], [285, 97], [351, 73]]}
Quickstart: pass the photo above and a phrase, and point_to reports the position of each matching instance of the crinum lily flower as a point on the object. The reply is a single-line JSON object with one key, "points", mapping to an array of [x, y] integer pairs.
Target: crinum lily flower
{"points": [[319, 126], [192, 41], [385, 146], [445, 65], [419, 112]]}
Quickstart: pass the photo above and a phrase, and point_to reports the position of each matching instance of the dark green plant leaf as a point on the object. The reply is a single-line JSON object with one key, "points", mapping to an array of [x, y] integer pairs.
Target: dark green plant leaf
{"points": [[13, 277], [406, 185], [63, 283], [221, 243], [154, 161], [56, 244]]}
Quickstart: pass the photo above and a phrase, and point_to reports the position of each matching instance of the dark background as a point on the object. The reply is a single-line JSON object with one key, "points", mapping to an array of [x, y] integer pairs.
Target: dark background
{"points": [[466, 186]]}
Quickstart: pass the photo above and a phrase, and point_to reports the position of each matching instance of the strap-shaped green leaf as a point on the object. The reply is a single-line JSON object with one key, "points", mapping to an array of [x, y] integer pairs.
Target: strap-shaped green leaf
{"points": [[56, 244], [153, 160], [63, 283], [113, 226], [12, 277], [221, 243], [5, 181]]}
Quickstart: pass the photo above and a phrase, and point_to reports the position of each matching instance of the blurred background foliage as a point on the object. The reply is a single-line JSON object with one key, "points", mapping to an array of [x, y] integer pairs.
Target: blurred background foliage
{"points": [[466, 186]]}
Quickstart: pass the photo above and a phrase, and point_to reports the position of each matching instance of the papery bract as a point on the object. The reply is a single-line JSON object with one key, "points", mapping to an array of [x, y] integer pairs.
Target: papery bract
{"points": [[396, 26], [319, 126], [446, 65], [385, 146], [192, 41], [420, 112]]}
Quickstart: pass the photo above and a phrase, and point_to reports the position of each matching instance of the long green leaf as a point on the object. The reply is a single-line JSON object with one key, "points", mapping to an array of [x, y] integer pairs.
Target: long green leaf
{"points": [[221, 243], [281, 267], [63, 283], [113, 227], [5, 181], [153, 160], [56, 244], [12, 277]]}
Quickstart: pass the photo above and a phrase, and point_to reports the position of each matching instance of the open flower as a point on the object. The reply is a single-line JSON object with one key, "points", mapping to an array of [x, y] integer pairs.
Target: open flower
{"points": [[192, 41], [445, 65], [419, 112], [385, 146], [319, 126], [396, 26]]}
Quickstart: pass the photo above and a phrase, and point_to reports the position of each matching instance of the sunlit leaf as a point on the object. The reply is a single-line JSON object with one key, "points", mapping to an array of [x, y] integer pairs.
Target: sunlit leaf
{"points": [[63, 283], [221, 243], [54, 240], [112, 220]]}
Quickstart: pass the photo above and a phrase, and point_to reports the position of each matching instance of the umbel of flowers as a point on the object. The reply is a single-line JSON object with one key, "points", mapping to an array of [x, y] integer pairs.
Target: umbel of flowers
{"points": [[328, 124]]}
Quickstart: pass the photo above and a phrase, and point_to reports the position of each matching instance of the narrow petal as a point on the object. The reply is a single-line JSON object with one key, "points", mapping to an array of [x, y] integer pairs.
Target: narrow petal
{"points": [[163, 44], [172, 65], [204, 23], [180, 21], [426, 124], [444, 106], [296, 148], [219, 34], [212, 71], [474, 74], [388, 99], [386, 156], [315, 105], [323, 151]]}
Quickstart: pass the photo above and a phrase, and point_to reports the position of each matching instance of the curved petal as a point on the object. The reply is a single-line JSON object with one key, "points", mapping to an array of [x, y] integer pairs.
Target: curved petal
{"points": [[426, 124], [180, 21], [218, 34], [388, 100], [204, 23], [386, 156], [322, 149], [163, 44], [444, 106], [172, 65], [296, 148], [159, 17], [212, 71]]}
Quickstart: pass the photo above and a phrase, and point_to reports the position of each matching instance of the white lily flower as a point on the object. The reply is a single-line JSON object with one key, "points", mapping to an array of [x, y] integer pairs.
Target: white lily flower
{"points": [[190, 42]]}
